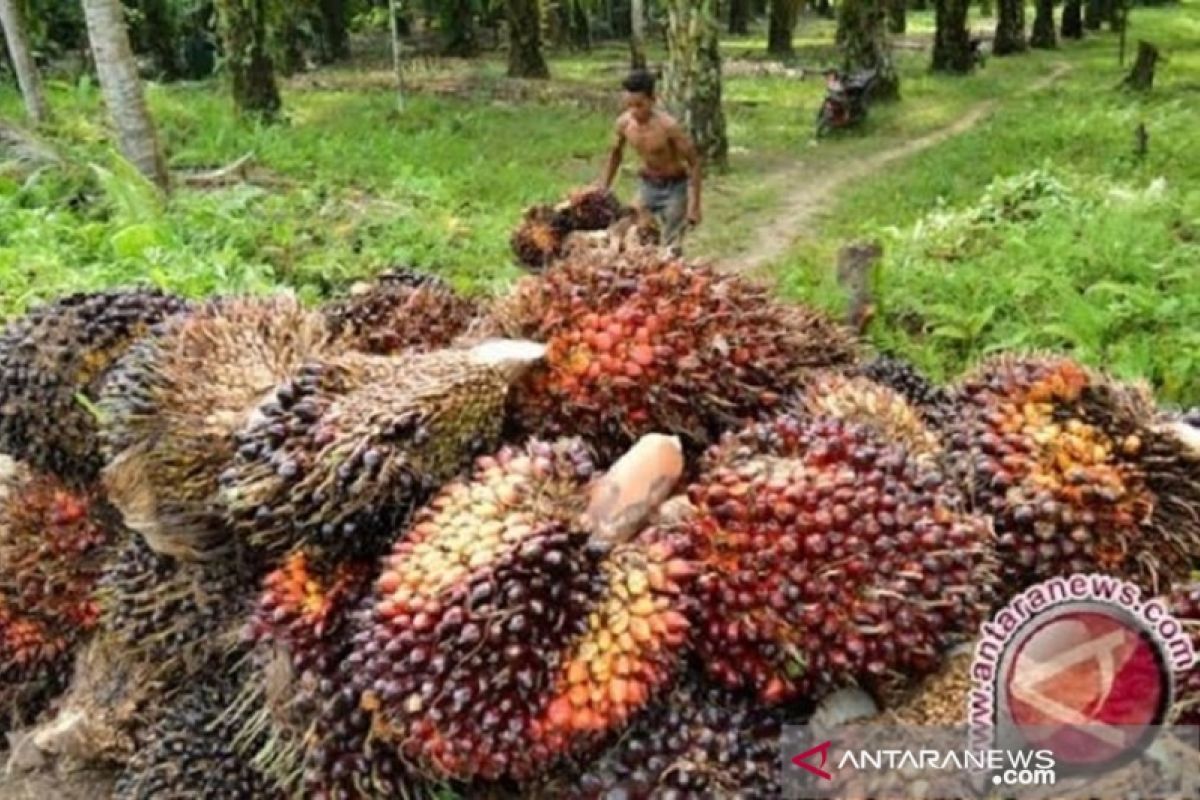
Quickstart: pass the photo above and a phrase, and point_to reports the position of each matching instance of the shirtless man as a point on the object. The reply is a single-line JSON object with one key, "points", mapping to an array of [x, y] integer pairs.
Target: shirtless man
{"points": [[670, 175]]}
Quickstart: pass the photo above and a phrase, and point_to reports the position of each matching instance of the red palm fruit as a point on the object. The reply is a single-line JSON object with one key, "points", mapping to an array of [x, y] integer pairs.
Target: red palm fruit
{"points": [[57, 354], [52, 545], [299, 633], [399, 312], [642, 343], [1079, 472], [591, 209], [697, 742], [1185, 606], [177, 400], [503, 634], [862, 401], [830, 556], [340, 456], [932, 401], [538, 240]]}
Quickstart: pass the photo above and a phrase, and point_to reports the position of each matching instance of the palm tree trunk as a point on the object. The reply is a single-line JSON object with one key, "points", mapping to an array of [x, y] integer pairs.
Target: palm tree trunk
{"points": [[1010, 28], [243, 28], [525, 40], [334, 37], [780, 26], [952, 39], [862, 36], [637, 35], [1072, 19], [28, 78], [1043, 36], [897, 11], [739, 17], [397, 61], [122, 88], [693, 79]]}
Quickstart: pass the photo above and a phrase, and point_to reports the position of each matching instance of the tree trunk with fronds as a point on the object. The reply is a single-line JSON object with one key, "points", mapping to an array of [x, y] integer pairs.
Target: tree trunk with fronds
{"points": [[693, 76], [458, 28], [1043, 36], [124, 96], [863, 38], [952, 38], [897, 11], [739, 17], [20, 54], [1010, 28], [242, 25], [780, 27], [1093, 14], [1072, 19], [525, 58], [581, 26]]}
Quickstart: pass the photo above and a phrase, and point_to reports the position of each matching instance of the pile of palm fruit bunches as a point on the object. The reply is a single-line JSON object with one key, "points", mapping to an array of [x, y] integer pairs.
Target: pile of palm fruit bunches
{"points": [[600, 536]]}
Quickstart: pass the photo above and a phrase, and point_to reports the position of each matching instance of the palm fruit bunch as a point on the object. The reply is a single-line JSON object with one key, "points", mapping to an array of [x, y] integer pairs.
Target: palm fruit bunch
{"points": [[175, 402], [1080, 473], [646, 343], [502, 634], [933, 402], [698, 742], [397, 312], [339, 455], [178, 615], [831, 556], [539, 239], [862, 401], [52, 543], [189, 752], [299, 633], [1185, 607], [591, 209], [54, 362]]}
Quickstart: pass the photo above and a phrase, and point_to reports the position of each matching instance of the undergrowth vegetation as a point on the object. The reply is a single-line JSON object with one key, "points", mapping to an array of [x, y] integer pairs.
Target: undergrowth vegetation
{"points": [[1039, 227]]}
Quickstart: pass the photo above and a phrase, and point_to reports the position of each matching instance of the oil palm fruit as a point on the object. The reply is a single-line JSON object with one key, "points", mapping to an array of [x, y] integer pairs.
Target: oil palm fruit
{"points": [[52, 545], [54, 362], [298, 632], [189, 752], [538, 240], [645, 343], [178, 615], [698, 742], [830, 556], [399, 312], [503, 633], [864, 402], [341, 454], [1185, 607], [591, 209], [932, 401], [175, 403], [1080, 473]]}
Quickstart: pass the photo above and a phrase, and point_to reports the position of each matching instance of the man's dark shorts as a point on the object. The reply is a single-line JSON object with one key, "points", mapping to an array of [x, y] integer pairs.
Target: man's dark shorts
{"points": [[667, 200]]}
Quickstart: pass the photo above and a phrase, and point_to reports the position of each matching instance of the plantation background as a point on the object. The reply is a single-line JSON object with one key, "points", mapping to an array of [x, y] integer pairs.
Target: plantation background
{"points": [[1036, 227]]}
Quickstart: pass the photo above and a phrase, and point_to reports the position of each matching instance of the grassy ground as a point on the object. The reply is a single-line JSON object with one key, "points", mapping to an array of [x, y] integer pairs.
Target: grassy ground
{"points": [[355, 186]]}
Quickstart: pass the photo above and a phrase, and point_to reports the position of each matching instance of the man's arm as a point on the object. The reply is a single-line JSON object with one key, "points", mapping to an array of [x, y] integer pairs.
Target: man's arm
{"points": [[687, 149], [614, 155]]}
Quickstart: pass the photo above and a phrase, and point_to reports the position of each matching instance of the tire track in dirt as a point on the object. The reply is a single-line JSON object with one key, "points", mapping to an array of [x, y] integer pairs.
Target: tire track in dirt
{"points": [[794, 215]]}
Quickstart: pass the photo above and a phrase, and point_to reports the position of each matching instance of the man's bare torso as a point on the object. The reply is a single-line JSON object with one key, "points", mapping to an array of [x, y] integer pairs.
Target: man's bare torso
{"points": [[655, 144]]}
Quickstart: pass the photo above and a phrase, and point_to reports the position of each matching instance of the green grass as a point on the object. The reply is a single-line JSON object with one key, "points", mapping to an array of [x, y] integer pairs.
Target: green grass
{"points": [[1108, 272], [355, 186]]}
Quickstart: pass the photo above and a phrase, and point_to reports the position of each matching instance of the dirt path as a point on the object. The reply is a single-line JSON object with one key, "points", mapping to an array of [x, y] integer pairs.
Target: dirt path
{"points": [[794, 215]]}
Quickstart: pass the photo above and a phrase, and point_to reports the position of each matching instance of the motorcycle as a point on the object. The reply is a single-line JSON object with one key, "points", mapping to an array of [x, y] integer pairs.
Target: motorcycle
{"points": [[845, 103]]}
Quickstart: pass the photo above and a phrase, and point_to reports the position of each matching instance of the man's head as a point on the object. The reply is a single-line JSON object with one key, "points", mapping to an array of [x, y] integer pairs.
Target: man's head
{"points": [[639, 94]]}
